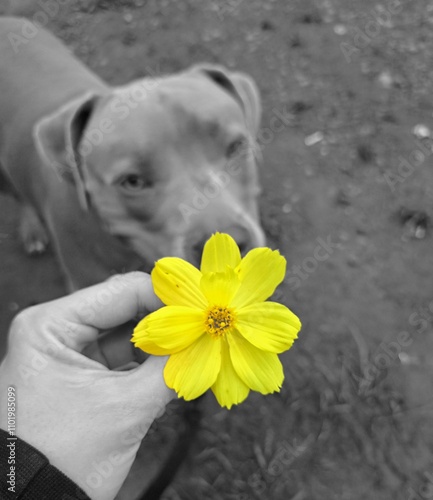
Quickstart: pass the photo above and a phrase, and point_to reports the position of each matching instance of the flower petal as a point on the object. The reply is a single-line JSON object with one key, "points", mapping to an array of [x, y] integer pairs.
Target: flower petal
{"points": [[260, 272], [261, 371], [177, 283], [228, 388], [172, 327], [220, 251], [143, 343], [219, 288], [192, 371], [269, 326]]}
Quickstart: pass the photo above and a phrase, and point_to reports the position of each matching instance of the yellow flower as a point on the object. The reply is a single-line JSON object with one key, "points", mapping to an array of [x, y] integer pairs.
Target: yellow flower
{"points": [[217, 328]]}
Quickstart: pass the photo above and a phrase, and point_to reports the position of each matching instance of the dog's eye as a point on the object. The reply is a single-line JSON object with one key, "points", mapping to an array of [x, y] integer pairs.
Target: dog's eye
{"points": [[235, 147], [134, 182]]}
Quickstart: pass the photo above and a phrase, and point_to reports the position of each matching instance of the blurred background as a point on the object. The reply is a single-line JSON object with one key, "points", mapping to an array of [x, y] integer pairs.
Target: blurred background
{"points": [[347, 176]]}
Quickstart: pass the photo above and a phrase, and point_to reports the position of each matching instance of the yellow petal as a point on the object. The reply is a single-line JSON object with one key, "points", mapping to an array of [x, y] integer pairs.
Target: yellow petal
{"points": [[260, 272], [143, 343], [177, 283], [229, 389], [219, 288], [269, 326], [192, 371], [261, 371], [219, 251], [172, 327]]}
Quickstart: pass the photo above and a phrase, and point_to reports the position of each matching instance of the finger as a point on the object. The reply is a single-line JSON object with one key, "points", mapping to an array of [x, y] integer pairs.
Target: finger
{"points": [[102, 307], [112, 302], [127, 367], [154, 388]]}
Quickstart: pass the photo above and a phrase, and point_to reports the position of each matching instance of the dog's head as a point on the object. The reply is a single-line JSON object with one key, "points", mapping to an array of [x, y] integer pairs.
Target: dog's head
{"points": [[165, 162]]}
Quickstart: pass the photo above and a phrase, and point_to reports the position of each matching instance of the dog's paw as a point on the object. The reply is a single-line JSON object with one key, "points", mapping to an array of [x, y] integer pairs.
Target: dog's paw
{"points": [[35, 242], [32, 232], [35, 246]]}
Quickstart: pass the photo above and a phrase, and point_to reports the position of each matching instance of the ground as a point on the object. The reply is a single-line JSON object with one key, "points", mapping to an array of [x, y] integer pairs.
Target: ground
{"points": [[347, 197]]}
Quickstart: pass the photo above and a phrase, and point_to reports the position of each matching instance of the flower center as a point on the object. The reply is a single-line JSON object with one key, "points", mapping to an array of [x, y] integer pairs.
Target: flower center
{"points": [[218, 320]]}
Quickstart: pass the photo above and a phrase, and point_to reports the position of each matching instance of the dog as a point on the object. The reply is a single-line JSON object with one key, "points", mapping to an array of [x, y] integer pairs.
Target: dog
{"points": [[118, 177]]}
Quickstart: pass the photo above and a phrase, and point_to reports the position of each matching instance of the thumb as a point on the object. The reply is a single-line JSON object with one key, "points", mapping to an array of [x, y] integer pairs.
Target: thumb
{"points": [[85, 313], [147, 386]]}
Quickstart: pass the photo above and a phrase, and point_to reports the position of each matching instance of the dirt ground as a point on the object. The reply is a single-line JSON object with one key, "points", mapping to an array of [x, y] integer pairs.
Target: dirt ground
{"points": [[348, 199]]}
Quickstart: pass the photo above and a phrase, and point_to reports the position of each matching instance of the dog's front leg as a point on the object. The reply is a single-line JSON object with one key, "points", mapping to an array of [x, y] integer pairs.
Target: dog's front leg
{"points": [[32, 231]]}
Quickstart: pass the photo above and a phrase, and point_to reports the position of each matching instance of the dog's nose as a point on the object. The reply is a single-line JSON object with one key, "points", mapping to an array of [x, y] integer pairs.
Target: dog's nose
{"points": [[239, 234]]}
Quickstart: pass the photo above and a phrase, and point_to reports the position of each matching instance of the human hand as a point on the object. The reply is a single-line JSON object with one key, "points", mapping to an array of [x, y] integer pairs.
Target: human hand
{"points": [[75, 410]]}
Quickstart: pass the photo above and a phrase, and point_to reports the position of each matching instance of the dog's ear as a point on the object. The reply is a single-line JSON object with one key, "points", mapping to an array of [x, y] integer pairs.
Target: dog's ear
{"points": [[242, 87], [57, 138]]}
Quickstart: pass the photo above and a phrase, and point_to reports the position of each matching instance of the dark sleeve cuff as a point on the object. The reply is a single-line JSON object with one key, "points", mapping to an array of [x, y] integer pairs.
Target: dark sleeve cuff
{"points": [[26, 474]]}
